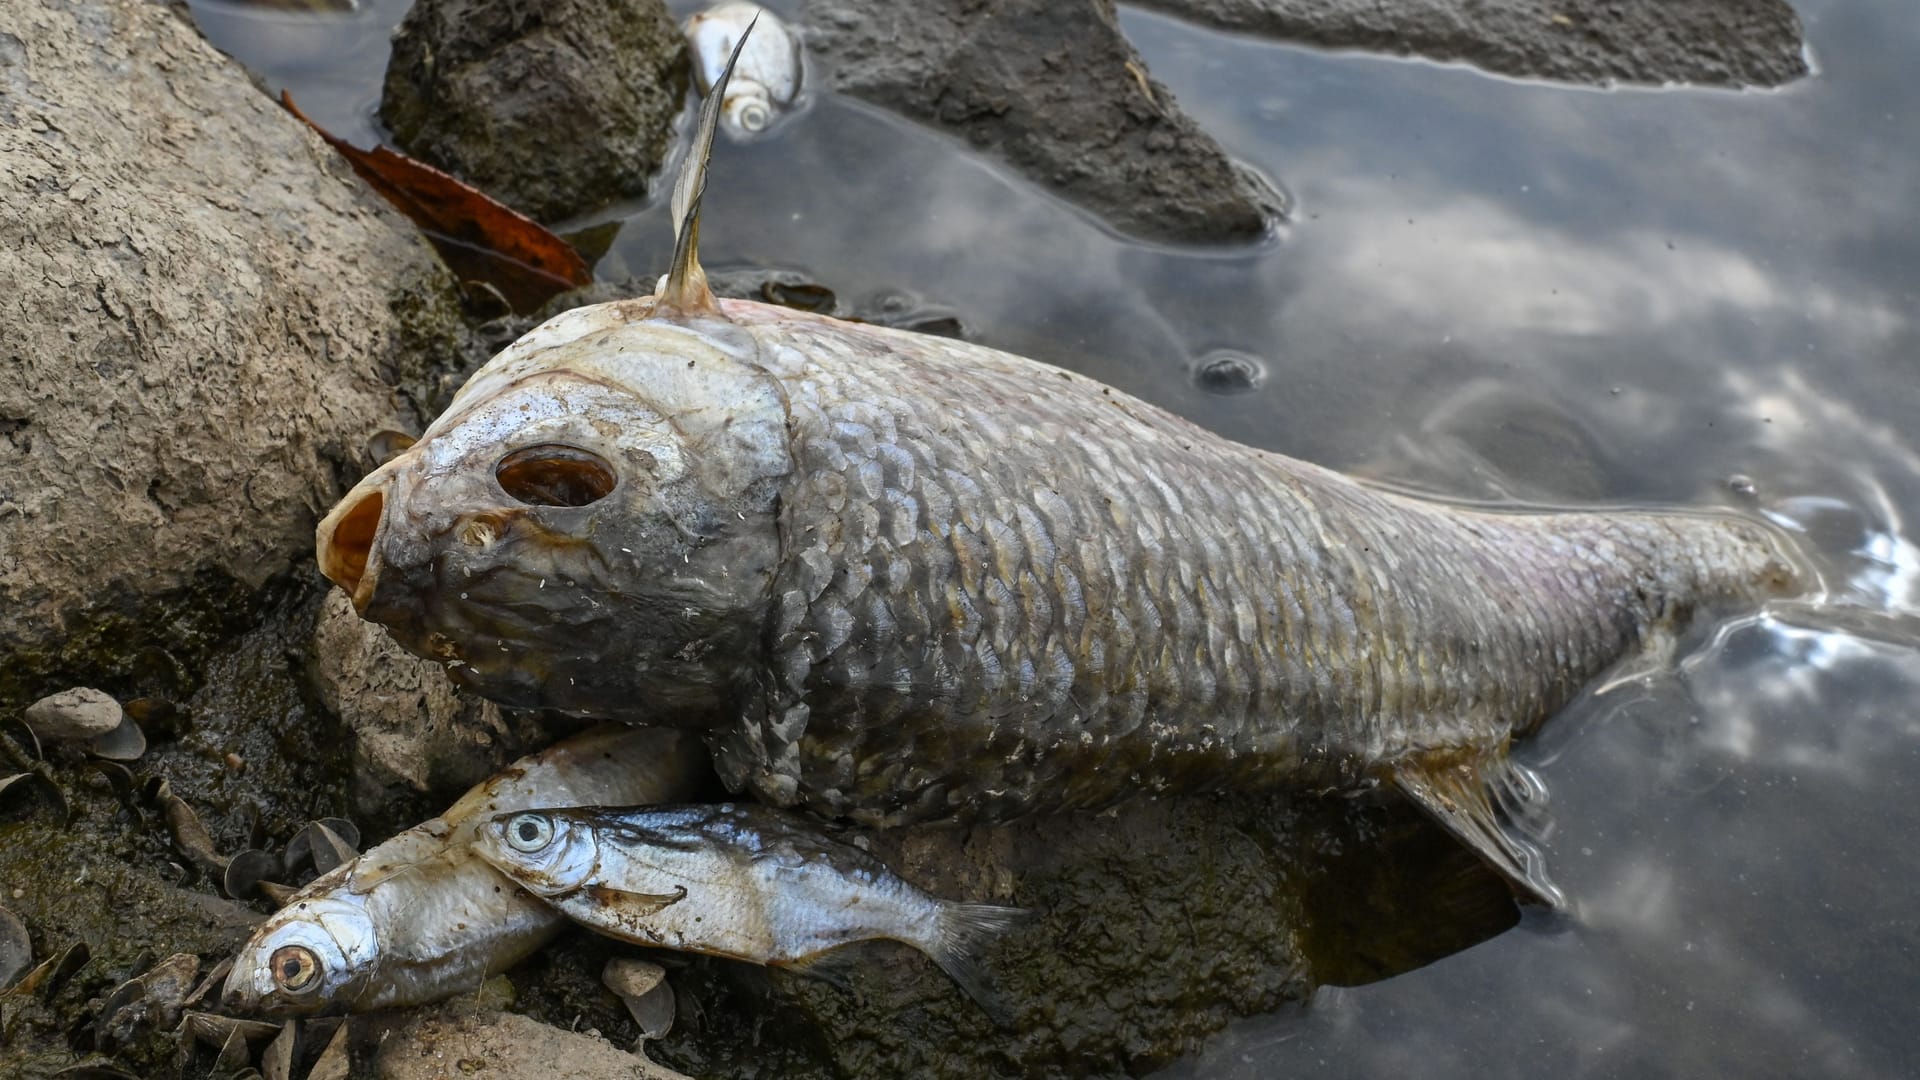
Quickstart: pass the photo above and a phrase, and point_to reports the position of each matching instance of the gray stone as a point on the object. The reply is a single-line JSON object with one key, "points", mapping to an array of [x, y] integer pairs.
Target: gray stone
{"points": [[461, 1040], [413, 732], [79, 713], [1052, 88], [1711, 42], [205, 315], [555, 107]]}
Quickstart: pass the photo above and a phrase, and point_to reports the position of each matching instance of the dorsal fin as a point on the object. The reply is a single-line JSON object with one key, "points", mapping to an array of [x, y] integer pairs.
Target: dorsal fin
{"points": [[686, 284]]}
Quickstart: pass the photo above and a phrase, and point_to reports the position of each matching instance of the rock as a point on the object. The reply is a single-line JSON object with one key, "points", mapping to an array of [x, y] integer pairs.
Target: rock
{"points": [[205, 315], [1053, 89], [1156, 924], [79, 713], [1713, 42], [555, 107], [460, 1040], [413, 732]]}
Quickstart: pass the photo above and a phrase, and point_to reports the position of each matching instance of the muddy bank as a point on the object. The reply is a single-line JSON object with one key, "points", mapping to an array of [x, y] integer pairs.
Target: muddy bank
{"points": [[206, 316], [1599, 42]]}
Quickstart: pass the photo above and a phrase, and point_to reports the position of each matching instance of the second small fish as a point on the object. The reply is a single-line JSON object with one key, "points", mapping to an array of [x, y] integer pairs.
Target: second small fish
{"points": [[746, 882]]}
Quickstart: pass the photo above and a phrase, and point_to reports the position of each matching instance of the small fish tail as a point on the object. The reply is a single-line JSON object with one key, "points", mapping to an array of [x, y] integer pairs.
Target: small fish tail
{"points": [[963, 932]]}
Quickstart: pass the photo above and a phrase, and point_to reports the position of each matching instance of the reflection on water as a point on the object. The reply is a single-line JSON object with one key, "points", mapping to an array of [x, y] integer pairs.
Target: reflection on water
{"points": [[1497, 290]]}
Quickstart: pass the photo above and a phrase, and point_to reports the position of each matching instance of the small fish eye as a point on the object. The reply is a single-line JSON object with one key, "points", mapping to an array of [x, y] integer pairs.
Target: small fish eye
{"points": [[553, 474], [295, 969], [529, 833]]}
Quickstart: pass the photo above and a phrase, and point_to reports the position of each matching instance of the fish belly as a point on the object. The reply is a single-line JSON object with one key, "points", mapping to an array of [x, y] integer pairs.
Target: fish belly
{"points": [[1008, 589]]}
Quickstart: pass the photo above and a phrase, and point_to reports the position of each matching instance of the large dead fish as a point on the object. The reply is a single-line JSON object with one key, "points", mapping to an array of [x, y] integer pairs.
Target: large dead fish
{"points": [[899, 578]]}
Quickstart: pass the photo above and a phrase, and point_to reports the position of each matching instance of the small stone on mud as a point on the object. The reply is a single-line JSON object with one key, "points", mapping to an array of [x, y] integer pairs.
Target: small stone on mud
{"points": [[79, 713]]}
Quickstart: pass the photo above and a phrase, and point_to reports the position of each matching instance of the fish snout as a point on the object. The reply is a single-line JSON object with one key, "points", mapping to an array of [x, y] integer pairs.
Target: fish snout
{"points": [[239, 994], [347, 543]]}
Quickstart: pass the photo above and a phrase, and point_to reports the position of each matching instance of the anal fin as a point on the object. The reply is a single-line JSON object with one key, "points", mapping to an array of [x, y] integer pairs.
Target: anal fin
{"points": [[1487, 804]]}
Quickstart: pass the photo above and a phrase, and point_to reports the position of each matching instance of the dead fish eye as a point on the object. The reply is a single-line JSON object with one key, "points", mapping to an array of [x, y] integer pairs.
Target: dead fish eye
{"points": [[529, 833], [294, 968], [553, 474]]}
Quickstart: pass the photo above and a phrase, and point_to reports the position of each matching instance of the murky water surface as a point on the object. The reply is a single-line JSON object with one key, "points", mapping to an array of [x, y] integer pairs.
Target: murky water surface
{"points": [[1507, 290]]}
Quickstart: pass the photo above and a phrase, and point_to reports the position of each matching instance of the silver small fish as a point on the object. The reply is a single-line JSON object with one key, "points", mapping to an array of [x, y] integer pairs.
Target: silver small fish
{"points": [[766, 78], [418, 918], [746, 882]]}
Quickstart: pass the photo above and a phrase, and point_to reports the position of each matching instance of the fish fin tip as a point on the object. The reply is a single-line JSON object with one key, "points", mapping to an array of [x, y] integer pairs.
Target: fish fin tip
{"points": [[963, 933], [685, 289], [1495, 808], [635, 904]]}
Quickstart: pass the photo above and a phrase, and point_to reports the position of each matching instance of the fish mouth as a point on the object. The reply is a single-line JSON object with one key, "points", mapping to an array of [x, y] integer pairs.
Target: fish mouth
{"points": [[347, 543]]}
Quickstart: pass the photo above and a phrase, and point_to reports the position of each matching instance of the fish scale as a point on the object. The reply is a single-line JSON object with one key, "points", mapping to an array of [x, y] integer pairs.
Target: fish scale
{"points": [[1257, 617]]}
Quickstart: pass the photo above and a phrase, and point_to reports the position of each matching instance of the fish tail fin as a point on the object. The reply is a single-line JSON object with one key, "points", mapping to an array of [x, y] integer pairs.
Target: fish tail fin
{"points": [[1689, 561], [686, 288], [962, 933], [1493, 806]]}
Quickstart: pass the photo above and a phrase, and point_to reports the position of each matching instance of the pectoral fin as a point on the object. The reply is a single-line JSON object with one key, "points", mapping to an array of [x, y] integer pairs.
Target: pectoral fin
{"points": [[1486, 805], [636, 905]]}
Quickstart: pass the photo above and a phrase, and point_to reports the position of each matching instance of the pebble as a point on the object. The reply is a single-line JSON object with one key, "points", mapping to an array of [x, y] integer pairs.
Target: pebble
{"points": [[80, 713]]}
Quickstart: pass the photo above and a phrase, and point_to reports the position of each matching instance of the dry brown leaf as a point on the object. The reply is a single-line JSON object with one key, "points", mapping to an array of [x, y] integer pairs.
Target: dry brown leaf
{"points": [[480, 238]]}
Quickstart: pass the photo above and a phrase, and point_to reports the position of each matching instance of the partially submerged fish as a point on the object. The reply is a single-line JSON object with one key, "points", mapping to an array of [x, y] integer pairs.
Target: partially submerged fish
{"points": [[419, 918], [900, 578], [746, 882], [766, 78]]}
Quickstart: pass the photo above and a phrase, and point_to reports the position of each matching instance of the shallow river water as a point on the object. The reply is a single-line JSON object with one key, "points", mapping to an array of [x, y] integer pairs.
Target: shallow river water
{"points": [[1497, 289]]}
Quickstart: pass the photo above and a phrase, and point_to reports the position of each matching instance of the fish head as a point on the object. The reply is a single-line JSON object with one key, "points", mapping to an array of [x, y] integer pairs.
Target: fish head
{"points": [[548, 853], [590, 527], [309, 956]]}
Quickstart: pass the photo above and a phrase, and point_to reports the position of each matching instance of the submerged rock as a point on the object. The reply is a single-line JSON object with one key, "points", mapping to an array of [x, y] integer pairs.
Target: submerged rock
{"points": [[204, 311], [554, 107], [79, 713], [1055, 91], [1714, 42]]}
